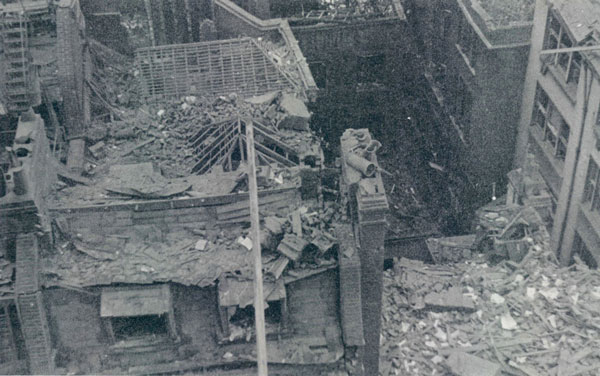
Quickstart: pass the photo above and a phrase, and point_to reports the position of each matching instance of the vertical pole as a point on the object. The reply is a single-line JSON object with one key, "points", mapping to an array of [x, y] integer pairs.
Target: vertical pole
{"points": [[150, 21], [240, 140], [259, 309], [163, 27]]}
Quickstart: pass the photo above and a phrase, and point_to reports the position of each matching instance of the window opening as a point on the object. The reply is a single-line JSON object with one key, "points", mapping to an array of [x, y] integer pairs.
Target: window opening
{"points": [[136, 327]]}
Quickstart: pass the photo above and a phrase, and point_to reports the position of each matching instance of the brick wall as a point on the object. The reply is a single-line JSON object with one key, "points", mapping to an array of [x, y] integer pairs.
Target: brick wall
{"points": [[368, 213], [70, 30], [196, 315], [350, 288], [170, 215], [80, 336], [313, 304]]}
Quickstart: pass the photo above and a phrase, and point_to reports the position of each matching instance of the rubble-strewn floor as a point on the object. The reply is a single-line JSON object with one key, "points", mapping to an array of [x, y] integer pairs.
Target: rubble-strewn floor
{"points": [[514, 318]]}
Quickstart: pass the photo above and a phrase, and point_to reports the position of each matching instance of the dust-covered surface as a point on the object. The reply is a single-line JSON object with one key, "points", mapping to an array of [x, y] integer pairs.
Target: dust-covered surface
{"points": [[530, 317]]}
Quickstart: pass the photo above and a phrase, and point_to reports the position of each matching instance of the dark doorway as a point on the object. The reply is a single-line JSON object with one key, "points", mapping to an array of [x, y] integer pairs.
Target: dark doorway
{"points": [[134, 327]]}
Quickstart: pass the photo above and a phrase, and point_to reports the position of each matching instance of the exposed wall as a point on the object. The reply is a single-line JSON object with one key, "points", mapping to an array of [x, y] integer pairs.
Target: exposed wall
{"points": [[75, 327], [313, 304], [70, 30], [18, 213], [196, 316], [233, 21]]}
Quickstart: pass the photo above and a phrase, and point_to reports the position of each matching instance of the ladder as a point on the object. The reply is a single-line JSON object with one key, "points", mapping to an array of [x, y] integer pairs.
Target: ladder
{"points": [[35, 332], [13, 30], [30, 307]]}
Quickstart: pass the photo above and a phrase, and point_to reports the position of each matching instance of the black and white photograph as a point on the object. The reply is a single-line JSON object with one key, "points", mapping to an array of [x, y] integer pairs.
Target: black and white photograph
{"points": [[300, 187]]}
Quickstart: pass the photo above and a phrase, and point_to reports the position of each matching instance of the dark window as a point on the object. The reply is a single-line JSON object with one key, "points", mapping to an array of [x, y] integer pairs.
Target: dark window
{"points": [[242, 321], [555, 130], [125, 328], [581, 250], [591, 193]]}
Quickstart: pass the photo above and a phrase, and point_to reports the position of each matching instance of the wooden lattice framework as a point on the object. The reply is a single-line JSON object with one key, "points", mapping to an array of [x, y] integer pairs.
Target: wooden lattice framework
{"points": [[209, 68], [214, 145]]}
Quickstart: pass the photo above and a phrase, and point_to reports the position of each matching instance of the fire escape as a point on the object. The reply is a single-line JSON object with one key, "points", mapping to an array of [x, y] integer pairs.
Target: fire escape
{"points": [[31, 307], [17, 74]]}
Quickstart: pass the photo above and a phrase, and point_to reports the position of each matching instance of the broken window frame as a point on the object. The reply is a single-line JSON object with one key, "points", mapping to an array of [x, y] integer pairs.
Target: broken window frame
{"points": [[568, 63], [227, 309], [591, 190], [555, 130], [226, 313]]}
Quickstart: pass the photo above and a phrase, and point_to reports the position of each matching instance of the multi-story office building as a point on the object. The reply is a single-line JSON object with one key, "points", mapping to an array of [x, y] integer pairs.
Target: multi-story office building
{"points": [[559, 125]]}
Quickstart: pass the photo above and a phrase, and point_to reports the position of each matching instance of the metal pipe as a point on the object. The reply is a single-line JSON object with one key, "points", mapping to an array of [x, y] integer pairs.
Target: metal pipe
{"points": [[361, 164]]}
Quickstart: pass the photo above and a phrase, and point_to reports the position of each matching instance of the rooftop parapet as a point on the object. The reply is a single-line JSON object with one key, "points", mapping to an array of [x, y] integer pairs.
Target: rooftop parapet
{"points": [[500, 24], [339, 10]]}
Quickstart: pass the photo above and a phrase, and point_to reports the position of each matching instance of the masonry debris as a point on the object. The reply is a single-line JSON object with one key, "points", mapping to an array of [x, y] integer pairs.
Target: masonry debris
{"points": [[503, 307]]}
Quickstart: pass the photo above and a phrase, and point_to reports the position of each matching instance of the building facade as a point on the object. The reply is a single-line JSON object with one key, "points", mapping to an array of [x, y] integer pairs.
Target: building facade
{"points": [[476, 57], [558, 135]]}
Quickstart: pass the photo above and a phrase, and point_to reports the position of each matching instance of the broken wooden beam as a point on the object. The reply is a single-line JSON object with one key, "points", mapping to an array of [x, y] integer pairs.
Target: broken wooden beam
{"points": [[291, 246]]}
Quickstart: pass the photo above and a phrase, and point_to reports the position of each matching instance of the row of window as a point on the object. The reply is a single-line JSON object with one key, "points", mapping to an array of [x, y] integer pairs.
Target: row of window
{"points": [[555, 130]]}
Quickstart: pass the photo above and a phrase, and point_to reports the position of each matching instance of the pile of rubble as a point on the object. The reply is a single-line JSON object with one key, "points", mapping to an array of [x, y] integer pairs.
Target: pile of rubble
{"points": [[162, 134], [528, 317], [163, 137]]}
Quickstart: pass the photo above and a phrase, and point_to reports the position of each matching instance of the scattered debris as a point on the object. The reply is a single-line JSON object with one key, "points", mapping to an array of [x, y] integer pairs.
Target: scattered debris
{"points": [[525, 313]]}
